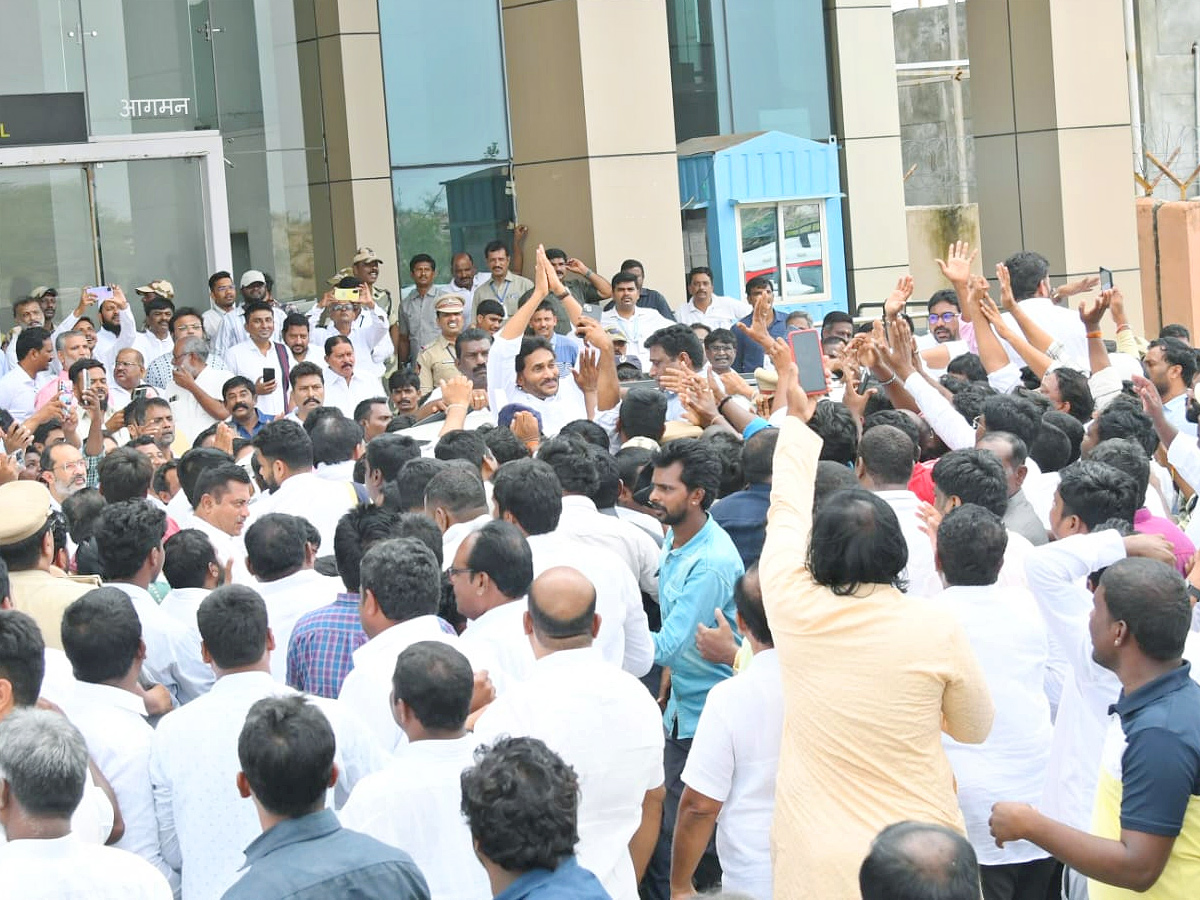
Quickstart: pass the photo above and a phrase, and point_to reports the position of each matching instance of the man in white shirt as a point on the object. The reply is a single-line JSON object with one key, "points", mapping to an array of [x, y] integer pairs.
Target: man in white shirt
{"points": [[1029, 273], [204, 824], [570, 702], [885, 463], [527, 493], [285, 458], [456, 500], [253, 286], [400, 584], [223, 295], [345, 387], [43, 773], [277, 556], [363, 322], [102, 638], [636, 322], [222, 495], [129, 539], [195, 395], [1170, 366], [490, 573], [414, 804], [706, 308], [19, 386], [1008, 635], [156, 339], [729, 777], [191, 568], [262, 359]]}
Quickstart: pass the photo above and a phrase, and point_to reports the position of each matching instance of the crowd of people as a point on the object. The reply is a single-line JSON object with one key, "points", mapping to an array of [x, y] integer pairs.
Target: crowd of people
{"points": [[538, 587]]}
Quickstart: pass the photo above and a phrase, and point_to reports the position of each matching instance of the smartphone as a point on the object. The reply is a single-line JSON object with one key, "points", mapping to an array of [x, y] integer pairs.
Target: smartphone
{"points": [[806, 350], [1105, 279], [86, 380], [592, 311], [139, 392], [101, 292], [268, 376], [345, 295]]}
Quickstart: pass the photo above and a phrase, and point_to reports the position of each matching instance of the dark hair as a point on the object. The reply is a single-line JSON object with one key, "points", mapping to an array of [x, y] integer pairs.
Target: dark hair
{"points": [[501, 552], [30, 339], [630, 462], [676, 340], [292, 320], [1175, 330], [1068, 425], [158, 482], [465, 445], [387, 453], [749, 605], [758, 455], [570, 456], [887, 455], [404, 577], [836, 427], [521, 802], [720, 336], [124, 474], [969, 399], [643, 413], [101, 634], [1074, 390], [22, 655], [1151, 598], [831, 478], [728, 448], [81, 510], [158, 304], [24, 554], [126, 532], [919, 861], [969, 366], [300, 370], [856, 540], [489, 307], [356, 531], [436, 681], [252, 306], [589, 431], [407, 491], [275, 546], [1026, 270], [184, 312], [971, 542], [1016, 415], [529, 490], [504, 445], [1051, 450], [973, 476], [188, 554], [1123, 417], [333, 341], [81, 365], [215, 480], [700, 466], [608, 481], [469, 335], [1126, 456], [1177, 353], [493, 246], [233, 624], [217, 276], [237, 381], [1016, 447], [758, 282], [422, 528], [193, 464], [530, 344], [458, 488], [362, 409], [897, 419], [1096, 492], [286, 441], [286, 751], [945, 295], [334, 439], [623, 277], [422, 258]]}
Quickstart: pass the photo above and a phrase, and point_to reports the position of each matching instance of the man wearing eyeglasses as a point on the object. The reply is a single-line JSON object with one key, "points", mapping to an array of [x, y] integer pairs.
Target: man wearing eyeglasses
{"points": [[943, 319], [64, 471], [196, 387], [362, 320]]}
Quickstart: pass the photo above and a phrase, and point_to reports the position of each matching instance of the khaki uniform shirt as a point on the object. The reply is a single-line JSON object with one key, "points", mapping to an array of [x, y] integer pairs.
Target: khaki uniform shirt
{"points": [[45, 596], [437, 362]]}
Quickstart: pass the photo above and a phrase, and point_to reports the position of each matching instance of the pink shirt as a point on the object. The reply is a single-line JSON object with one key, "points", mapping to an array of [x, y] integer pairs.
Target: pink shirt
{"points": [[1145, 523]]}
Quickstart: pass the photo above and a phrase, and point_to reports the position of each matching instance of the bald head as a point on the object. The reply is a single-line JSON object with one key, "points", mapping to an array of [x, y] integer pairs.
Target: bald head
{"points": [[562, 609], [919, 861]]}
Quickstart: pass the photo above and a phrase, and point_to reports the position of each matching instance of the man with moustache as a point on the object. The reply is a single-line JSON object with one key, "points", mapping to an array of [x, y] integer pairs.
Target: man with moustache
{"points": [[345, 388], [473, 347], [195, 387], [64, 471], [244, 416], [308, 390], [223, 295], [437, 361]]}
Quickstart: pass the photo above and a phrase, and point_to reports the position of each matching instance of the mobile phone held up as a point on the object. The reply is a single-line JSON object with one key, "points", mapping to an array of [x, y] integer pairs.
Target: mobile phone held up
{"points": [[345, 295], [1106, 281], [101, 292], [806, 350]]}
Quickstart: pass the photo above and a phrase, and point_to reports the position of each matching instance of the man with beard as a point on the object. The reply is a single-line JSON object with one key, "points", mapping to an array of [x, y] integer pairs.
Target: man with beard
{"points": [[152, 417], [1170, 366], [98, 385], [193, 395], [261, 359], [944, 321], [505, 286], [256, 288], [699, 566], [69, 348], [566, 346], [156, 339], [48, 298], [244, 416], [223, 295], [64, 471], [308, 390], [296, 336], [346, 388]]}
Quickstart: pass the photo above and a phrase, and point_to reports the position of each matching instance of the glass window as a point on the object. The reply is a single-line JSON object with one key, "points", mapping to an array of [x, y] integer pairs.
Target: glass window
{"points": [[443, 72], [42, 47], [798, 228]]}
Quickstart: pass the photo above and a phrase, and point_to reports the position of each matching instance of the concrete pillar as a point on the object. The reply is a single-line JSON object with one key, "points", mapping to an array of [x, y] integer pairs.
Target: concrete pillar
{"points": [[866, 117], [593, 128], [1050, 109], [352, 202]]}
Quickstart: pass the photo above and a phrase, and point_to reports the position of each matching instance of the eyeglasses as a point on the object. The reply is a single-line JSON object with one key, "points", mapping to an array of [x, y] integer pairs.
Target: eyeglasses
{"points": [[946, 317], [342, 307], [125, 364], [459, 570], [68, 466]]}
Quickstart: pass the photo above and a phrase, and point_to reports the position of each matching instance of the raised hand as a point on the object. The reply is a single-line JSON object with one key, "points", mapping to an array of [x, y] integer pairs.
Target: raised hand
{"points": [[956, 267], [763, 317], [1092, 310], [456, 391], [1150, 546], [540, 278], [1082, 286], [594, 334], [576, 266], [223, 439], [587, 375], [851, 398], [1006, 291], [525, 426], [898, 298], [799, 403], [17, 438]]}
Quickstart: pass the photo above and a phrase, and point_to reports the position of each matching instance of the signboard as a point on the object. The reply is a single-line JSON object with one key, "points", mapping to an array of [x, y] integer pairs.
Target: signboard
{"points": [[27, 119]]}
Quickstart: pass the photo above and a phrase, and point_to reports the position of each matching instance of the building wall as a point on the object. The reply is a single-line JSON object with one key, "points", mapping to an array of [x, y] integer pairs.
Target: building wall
{"points": [[1167, 30]]}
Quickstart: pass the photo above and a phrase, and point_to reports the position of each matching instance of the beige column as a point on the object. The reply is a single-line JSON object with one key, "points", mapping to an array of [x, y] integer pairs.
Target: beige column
{"points": [[1053, 152], [341, 62], [866, 113], [593, 133]]}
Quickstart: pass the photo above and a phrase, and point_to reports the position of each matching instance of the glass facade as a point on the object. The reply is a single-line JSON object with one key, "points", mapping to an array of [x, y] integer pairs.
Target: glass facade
{"points": [[443, 72], [740, 66]]}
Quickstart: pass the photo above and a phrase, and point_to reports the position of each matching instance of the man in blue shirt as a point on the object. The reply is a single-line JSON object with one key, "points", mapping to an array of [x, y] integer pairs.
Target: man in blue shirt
{"points": [[743, 514], [244, 415], [522, 806], [749, 356], [698, 570], [286, 752]]}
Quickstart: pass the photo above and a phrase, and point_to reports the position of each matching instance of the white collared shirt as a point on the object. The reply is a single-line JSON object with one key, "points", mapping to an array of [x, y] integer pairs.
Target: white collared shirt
{"points": [[734, 759], [565, 406], [368, 685], [1062, 322], [922, 575], [190, 416], [453, 537], [501, 631], [182, 604], [346, 395], [581, 521], [113, 722], [287, 600], [18, 392], [722, 312], [202, 820], [319, 500], [624, 639], [368, 334], [67, 868], [172, 650], [637, 328], [151, 346], [1007, 633], [228, 547], [247, 360], [572, 701], [1175, 411], [415, 805]]}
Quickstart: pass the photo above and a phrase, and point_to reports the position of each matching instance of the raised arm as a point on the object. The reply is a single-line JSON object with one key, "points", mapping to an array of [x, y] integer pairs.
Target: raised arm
{"points": [[1091, 313], [598, 281], [608, 386], [519, 321]]}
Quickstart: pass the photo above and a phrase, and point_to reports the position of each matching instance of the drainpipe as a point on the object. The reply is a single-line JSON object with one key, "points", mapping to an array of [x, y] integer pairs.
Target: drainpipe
{"points": [[1135, 94]]}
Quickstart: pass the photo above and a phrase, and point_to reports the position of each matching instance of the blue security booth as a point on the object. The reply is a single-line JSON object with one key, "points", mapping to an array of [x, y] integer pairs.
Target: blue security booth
{"points": [[766, 203]]}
